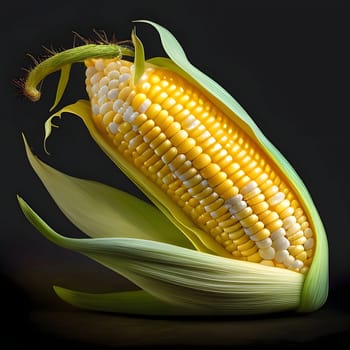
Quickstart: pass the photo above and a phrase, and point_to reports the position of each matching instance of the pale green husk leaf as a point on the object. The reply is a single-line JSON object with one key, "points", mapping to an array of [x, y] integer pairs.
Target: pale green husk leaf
{"points": [[198, 282], [62, 84], [139, 58], [102, 211]]}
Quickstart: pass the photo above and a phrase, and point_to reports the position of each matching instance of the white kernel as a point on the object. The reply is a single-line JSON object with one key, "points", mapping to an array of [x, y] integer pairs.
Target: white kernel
{"points": [[289, 221], [113, 94], [90, 71], [94, 89], [281, 243], [101, 100], [113, 127], [308, 232], [293, 229], [234, 200], [267, 253], [276, 198], [95, 78], [133, 117], [103, 91], [249, 187], [144, 105], [95, 109], [188, 120], [114, 74], [99, 65], [114, 83], [106, 107], [104, 81], [297, 264], [309, 243], [280, 232], [237, 207], [264, 243], [112, 66], [124, 69], [193, 180], [117, 104], [204, 135], [289, 260], [124, 77], [129, 111], [281, 255]]}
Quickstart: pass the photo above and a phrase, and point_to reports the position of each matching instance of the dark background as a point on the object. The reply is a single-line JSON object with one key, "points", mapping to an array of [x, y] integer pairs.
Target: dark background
{"points": [[287, 66]]}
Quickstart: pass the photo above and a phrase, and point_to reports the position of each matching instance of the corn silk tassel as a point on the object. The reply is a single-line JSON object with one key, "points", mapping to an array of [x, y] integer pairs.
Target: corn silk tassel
{"points": [[233, 229]]}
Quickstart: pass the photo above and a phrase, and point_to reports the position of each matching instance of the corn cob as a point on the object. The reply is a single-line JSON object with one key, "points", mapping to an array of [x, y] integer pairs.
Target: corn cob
{"points": [[203, 162], [212, 169]]}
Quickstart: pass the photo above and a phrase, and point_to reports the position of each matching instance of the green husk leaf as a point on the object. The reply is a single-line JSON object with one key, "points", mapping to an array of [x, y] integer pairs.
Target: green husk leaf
{"points": [[102, 211], [136, 302], [198, 282], [62, 84], [315, 290], [139, 59]]}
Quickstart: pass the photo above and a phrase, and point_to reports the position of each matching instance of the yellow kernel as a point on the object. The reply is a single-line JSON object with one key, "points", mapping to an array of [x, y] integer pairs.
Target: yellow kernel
{"points": [[157, 140], [256, 199], [254, 257], [244, 213], [243, 239], [202, 161], [138, 100], [259, 207], [275, 225], [295, 249], [176, 109], [296, 235], [268, 216], [282, 206], [169, 155], [168, 103], [195, 152], [160, 98], [156, 167], [164, 120], [151, 160], [234, 235], [224, 186], [210, 170], [250, 220], [246, 245], [261, 235], [217, 179], [140, 119], [153, 110], [179, 137], [152, 134], [243, 181], [172, 129], [267, 262], [250, 251], [124, 127], [146, 127], [301, 256], [253, 229], [299, 241], [186, 145]]}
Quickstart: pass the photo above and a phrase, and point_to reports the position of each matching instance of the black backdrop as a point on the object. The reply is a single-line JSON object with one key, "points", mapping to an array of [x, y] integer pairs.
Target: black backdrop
{"points": [[286, 65]]}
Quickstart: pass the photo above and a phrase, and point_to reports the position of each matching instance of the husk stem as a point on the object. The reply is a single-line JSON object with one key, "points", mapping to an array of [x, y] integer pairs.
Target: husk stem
{"points": [[67, 57]]}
